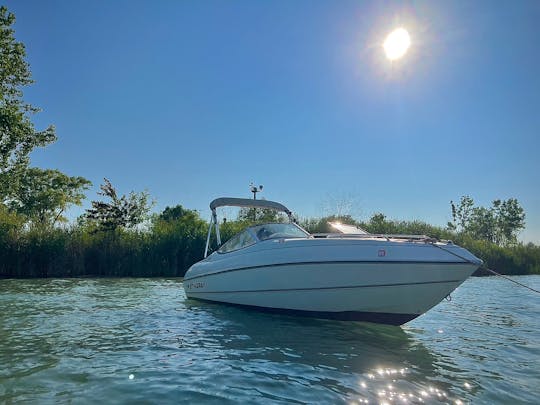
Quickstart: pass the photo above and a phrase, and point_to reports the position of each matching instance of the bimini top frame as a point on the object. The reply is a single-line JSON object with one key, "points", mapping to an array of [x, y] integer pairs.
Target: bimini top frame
{"points": [[243, 203]]}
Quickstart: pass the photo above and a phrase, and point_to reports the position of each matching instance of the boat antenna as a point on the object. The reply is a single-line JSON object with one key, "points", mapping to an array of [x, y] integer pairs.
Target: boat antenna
{"points": [[254, 189]]}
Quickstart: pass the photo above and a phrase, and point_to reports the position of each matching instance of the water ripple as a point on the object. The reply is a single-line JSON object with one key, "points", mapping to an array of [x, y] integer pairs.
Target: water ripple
{"points": [[137, 340]]}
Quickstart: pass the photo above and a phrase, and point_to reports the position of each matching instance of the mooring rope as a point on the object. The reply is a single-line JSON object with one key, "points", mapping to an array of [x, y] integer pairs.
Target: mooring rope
{"points": [[487, 269], [509, 279]]}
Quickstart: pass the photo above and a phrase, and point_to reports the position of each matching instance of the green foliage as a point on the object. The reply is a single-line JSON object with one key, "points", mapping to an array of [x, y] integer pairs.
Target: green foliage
{"points": [[14, 71], [173, 243], [498, 224], [40, 195], [259, 215], [44, 195], [121, 212], [515, 259], [11, 224], [510, 220], [379, 224], [461, 213], [176, 238], [179, 237], [18, 137], [174, 213], [168, 249]]}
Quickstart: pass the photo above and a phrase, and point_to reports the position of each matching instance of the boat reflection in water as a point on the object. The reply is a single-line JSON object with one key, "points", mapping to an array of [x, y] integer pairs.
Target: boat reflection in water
{"points": [[357, 276], [338, 361]]}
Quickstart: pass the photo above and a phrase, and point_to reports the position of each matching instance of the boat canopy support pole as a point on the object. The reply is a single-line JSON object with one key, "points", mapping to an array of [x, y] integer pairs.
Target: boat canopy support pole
{"points": [[208, 237], [213, 222], [218, 236]]}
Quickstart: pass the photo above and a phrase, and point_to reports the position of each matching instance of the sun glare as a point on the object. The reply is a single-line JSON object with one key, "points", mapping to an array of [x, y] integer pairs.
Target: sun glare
{"points": [[397, 43]]}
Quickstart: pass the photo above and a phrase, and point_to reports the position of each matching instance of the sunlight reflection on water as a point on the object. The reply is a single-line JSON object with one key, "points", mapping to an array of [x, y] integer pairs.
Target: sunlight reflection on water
{"points": [[133, 340]]}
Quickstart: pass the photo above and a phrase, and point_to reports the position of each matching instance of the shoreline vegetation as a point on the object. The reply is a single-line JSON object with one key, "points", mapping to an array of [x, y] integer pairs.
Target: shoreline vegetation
{"points": [[172, 241], [119, 238]]}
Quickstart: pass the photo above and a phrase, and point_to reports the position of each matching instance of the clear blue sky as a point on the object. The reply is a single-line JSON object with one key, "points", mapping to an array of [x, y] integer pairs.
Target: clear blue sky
{"points": [[193, 100]]}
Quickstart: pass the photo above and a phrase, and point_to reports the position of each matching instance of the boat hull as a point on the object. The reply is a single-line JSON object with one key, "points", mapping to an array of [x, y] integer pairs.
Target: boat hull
{"points": [[383, 292], [374, 317]]}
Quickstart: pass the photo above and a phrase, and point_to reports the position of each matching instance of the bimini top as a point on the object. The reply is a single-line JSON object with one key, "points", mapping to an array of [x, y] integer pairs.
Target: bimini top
{"points": [[248, 203]]}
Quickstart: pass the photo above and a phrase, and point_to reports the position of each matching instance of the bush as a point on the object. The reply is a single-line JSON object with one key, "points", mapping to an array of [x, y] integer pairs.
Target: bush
{"points": [[172, 243]]}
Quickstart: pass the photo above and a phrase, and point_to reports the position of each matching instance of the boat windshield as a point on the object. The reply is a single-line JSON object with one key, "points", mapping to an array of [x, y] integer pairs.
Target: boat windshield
{"points": [[271, 231], [347, 229], [239, 241]]}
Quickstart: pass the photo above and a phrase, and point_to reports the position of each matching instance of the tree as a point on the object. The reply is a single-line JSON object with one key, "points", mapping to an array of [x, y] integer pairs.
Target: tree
{"points": [[482, 224], [510, 217], [259, 215], [180, 221], [175, 213], [10, 223], [122, 212], [498, 224], [18, 137], [43, 195], [461, 213]]}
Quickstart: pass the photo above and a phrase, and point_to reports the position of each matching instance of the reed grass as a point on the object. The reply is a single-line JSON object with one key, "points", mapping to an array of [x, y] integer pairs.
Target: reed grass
{"points": [[167, 248]]}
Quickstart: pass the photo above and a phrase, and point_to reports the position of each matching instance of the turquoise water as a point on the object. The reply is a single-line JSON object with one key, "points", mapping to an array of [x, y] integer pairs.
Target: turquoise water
{"points": [[140, 340]]}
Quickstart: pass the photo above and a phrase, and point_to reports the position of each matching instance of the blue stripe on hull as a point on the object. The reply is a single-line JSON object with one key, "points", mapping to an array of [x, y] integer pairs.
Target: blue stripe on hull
{"points": [[264, 266], [375, 317]]}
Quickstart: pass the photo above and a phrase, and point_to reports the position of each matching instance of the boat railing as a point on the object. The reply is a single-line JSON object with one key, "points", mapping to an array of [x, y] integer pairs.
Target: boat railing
{"points": [[388, 237]]}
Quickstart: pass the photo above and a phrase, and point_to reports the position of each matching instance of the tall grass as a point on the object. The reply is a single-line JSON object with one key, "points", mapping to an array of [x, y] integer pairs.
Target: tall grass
{"points": [[169, 247]]}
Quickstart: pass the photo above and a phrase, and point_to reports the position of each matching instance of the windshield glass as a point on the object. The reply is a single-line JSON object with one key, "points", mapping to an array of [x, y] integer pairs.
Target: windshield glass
{"points": [[348, 229], [271, 231], [243, 239]]}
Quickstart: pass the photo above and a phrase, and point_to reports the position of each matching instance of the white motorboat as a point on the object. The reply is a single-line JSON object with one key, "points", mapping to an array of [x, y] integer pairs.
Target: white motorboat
{"points": [[279, 267]]}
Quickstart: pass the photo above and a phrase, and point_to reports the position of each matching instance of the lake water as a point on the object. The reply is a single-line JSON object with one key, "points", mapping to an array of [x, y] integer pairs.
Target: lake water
{"points": [[141, 341]]}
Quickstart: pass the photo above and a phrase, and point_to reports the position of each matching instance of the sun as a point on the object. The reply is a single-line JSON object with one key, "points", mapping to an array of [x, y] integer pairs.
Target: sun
{"points": [[397, 43]]}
